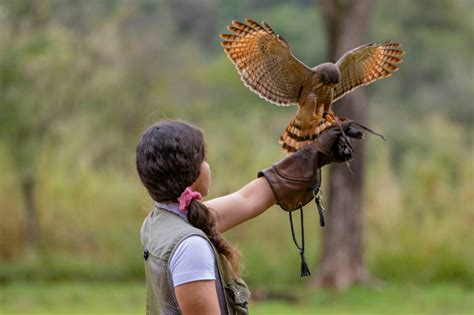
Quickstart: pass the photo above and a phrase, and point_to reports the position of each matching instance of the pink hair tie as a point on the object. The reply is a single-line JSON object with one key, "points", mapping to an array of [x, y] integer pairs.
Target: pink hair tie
{"points": [[186, 197]]}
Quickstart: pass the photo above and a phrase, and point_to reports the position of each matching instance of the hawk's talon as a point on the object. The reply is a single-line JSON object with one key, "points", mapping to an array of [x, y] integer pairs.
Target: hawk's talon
{"points": [[329, 117]]}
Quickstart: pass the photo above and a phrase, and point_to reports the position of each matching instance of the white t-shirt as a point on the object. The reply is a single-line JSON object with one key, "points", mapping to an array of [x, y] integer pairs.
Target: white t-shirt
{"points": [[193, 260]]}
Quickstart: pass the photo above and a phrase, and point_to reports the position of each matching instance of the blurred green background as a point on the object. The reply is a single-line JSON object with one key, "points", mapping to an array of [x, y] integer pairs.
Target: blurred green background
{"points": [[80, 81]]}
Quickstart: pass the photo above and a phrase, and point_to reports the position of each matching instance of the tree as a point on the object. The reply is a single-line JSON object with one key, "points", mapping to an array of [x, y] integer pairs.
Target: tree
{"points": [[342, 262], [53, 77], [39, 75]]}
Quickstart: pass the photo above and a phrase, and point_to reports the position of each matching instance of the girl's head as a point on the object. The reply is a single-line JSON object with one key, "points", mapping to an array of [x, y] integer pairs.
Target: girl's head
{"points": [[170, 157]]}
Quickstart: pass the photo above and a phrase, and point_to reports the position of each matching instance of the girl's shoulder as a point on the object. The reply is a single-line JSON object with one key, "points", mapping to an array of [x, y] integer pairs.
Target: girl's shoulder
{"points": [[162, 231], [192, 260]]}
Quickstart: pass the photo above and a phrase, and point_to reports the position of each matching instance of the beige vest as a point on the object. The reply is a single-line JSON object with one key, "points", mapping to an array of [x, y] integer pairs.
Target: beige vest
{"points": [[161, 232]]}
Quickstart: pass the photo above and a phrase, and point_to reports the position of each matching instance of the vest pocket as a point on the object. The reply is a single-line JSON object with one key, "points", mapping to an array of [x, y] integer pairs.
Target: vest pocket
{"points": [[238, 296]]}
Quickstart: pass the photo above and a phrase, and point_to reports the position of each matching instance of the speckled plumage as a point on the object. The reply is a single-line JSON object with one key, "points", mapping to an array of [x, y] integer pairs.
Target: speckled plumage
{"points": [[267, 67]]}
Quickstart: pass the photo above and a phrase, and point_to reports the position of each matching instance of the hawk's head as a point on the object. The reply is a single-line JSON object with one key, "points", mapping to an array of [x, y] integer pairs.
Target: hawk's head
{"points": [[328, 73]]}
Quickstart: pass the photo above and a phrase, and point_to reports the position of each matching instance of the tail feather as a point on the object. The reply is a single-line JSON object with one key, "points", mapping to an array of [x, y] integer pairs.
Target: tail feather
{"points": [[296, 136]]}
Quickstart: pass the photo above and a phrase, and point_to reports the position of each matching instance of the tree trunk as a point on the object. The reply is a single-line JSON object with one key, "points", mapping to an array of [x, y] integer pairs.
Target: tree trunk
{"points": [[342, 263], [28, 186]]}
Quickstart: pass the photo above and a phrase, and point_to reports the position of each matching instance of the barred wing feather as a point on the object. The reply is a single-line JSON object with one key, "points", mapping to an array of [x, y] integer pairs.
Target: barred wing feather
{"points": [[366, 64], [265, 62]]}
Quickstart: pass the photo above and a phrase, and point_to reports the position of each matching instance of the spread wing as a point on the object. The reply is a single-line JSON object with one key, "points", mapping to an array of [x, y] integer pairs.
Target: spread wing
{"points": [[366, 64], [264, 62]]}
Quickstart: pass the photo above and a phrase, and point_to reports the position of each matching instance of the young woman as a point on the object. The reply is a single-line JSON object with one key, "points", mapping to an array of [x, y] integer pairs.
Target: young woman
{"points": [[190, 268]]}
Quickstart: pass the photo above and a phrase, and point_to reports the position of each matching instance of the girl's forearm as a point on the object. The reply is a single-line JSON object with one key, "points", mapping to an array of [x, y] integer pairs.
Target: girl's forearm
{"points": [[242, 205]]}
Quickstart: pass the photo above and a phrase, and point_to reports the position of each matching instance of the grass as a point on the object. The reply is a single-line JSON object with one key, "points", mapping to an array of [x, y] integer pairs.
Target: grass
{"points": [[129, 298]]}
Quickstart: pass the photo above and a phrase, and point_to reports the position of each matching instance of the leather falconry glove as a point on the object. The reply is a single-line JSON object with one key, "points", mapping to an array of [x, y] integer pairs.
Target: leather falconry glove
{"points": [[294, 178]]}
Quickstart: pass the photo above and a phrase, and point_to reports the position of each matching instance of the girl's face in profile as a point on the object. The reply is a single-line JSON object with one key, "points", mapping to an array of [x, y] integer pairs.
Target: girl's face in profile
{"points": [[203, 182]]}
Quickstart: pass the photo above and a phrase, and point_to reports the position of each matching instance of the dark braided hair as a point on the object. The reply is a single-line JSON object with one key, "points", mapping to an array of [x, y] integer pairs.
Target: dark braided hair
{"points": [[168, 159]]}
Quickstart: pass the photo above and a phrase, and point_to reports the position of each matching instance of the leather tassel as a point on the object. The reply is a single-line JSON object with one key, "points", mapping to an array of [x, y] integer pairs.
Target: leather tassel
{"points": [[304, 266]]}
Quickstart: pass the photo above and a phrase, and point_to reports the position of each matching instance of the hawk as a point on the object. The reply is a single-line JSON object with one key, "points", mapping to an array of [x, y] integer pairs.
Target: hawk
{"points": [[267, 67]]}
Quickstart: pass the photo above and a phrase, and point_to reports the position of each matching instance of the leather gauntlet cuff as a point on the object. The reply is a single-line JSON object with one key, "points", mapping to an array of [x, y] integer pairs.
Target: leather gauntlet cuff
{"points": [[294, 178], [293, 194]]}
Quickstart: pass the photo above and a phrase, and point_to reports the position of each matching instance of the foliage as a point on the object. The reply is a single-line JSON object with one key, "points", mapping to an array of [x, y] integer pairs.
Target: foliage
{"points": [[129, 298], [81, 80]]}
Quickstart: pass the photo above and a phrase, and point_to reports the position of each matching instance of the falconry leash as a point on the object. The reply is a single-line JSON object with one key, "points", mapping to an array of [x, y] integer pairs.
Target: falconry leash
{"points": [[317, 193]]}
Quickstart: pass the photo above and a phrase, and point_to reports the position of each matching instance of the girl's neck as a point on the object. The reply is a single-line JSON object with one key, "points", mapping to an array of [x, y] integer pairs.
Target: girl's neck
{"points": [[171, 206]]}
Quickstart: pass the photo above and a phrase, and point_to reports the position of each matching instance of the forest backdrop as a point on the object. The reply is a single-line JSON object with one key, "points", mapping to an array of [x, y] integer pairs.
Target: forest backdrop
{"points": [[80, 81]]}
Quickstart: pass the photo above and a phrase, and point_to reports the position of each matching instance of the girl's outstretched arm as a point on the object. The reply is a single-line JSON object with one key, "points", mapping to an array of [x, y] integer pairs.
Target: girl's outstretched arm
{"points": [[290, 181], [242, 205]]}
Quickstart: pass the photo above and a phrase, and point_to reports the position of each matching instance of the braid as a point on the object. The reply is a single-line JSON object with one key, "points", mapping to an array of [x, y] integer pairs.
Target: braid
{"points": [[201, 217]]}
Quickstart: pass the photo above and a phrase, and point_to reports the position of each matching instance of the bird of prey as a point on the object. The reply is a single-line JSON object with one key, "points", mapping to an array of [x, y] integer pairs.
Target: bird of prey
{"points": [[267, 67]]}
